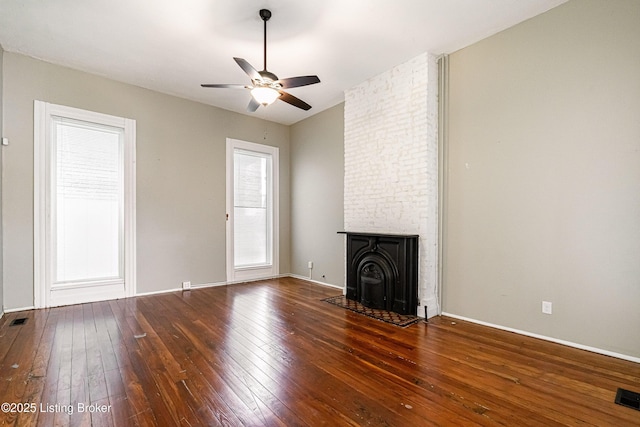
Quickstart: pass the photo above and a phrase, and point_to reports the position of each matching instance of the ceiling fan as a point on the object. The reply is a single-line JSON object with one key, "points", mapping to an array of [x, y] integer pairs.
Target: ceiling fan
{"points": [[265, 86]]}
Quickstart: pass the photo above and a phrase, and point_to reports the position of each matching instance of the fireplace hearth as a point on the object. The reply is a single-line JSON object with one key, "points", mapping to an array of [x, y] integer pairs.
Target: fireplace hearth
{"points": [[382, 271]]}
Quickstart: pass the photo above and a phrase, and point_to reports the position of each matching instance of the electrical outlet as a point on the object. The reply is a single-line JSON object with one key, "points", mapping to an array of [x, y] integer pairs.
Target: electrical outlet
{"points": [[310, 264], [186, 285], [547, 307]]}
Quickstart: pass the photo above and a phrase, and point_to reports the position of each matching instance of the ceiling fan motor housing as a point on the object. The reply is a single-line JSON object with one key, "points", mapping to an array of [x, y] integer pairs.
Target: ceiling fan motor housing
{"points": [[267, 75]]}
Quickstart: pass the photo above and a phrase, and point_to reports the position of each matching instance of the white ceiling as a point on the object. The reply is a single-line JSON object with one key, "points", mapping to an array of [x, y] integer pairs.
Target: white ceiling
{"points": [[173, 46]]}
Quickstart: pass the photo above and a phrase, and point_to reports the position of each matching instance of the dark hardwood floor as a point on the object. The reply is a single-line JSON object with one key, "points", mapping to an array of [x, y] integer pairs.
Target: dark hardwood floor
{"points": [[272, 353]]}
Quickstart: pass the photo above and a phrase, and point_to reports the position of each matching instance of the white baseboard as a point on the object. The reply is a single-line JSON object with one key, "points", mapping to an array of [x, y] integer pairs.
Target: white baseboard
{"points": [[13, 310], [193, 286], [164, 291], [213, 285], [546, 338], [209, 285], [253, 279], [331, 285]]}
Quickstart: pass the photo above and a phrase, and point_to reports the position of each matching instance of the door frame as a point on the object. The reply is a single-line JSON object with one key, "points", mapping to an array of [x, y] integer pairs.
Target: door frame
{"points": [[235, 275], [42, 164]]}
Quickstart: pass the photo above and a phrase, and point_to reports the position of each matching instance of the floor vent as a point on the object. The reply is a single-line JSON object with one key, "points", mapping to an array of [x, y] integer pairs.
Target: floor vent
{"points": [[17, 322], [628, 398]]}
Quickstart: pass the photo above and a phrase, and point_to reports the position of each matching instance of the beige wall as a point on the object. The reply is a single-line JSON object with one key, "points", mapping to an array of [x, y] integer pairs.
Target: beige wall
{"points": [[544, 176], [317, 176], [180, 174]]}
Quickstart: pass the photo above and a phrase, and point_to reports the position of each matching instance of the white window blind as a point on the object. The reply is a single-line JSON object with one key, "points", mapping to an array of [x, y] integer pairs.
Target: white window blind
{"points": [[89, 198], [252, 214]]}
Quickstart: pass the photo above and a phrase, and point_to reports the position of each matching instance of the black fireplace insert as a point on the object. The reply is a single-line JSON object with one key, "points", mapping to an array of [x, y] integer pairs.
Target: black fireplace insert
{"points": [[382, 271]]}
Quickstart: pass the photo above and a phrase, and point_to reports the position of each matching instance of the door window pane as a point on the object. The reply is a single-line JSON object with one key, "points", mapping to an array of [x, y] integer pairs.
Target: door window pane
{"points": [[88, 194], [252, 234]]}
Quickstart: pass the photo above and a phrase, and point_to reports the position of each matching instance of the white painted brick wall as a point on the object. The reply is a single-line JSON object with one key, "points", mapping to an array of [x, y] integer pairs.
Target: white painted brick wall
{"points": [[391, 160]]}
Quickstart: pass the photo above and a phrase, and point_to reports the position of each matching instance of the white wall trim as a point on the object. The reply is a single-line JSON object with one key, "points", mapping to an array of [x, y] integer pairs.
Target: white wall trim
{"points": [[14, 310], [253, 279], [164, 291], [208, 285], [218, 284], [546, 338], [331, 285], [39, 203], [443, 168]]}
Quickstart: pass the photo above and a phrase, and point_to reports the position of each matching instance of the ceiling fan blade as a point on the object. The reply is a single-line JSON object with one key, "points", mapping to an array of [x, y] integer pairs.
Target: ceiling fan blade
{"points": [[296, 102], [298, 81], [248, 68], [231, 86], [253, 105]]}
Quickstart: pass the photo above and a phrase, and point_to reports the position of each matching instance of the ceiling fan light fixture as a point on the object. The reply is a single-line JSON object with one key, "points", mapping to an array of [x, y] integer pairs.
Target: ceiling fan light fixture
{"points": [[265, 86], [265, 95]]}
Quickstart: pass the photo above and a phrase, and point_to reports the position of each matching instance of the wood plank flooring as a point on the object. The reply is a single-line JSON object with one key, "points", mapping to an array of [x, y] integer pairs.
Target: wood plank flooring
{"points": [[272, 353]]}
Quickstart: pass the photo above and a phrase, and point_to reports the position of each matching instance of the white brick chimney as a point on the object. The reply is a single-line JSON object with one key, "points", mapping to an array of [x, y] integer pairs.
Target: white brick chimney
{"points": [[391, 161]]}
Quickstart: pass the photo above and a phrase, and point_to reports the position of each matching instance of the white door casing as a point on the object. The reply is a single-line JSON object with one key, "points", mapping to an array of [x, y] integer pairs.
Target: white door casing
{"points": [[51, 287], [267, 264]]}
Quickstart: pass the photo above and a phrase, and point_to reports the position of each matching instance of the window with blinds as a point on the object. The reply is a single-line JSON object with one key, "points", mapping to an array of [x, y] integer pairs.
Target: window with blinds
{"points": [[88, 200], [252, 212]]}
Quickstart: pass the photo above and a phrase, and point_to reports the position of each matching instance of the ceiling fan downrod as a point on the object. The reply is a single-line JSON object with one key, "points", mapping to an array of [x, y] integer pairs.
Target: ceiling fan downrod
{"points": [[265, 14]]}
